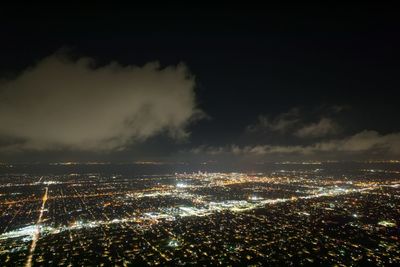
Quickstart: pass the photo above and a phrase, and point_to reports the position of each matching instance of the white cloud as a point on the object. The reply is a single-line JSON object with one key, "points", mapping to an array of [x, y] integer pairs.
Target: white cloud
{"points": [[363, 142], [62, 103], [322, 128], [280, 123], [292, 122]]}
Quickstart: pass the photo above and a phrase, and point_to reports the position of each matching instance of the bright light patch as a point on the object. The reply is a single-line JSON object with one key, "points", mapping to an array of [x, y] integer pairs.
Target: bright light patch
{"points": [[181, 185], [387, 223], [21, 232], [173, 243]]}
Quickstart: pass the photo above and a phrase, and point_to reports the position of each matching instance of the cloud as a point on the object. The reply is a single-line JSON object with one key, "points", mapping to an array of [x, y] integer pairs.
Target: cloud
{"points": [[294, 122], [209, 150], [257, 150], [280, 123], [322, 128], [62, 103], [362, 142]]}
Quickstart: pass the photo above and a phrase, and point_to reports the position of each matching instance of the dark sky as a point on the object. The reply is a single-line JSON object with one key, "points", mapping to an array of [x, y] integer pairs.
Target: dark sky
{"points": [[232, 82]]}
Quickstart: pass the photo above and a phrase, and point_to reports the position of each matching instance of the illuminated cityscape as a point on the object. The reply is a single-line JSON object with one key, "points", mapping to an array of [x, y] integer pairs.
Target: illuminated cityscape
{"points": [[195, 134], [295, 214]]}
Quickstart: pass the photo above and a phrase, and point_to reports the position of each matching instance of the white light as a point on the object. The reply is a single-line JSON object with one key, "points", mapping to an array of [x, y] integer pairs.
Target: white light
{"points": [[25, 231], [181, 185], [255, 198], [173, 243]]}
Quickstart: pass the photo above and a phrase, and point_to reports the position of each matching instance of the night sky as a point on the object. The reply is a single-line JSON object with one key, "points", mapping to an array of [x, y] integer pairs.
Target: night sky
{"points": [[199, 83]]}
